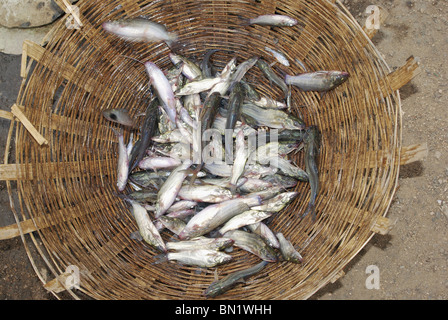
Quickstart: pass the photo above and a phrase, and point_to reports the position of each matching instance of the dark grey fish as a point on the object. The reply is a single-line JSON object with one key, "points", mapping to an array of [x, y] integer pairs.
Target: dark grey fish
{"points": [[229, 281]]}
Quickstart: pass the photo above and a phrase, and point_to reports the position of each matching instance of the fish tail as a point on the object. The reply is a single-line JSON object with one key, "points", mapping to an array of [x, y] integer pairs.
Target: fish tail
{"points": [[233, 188], [310, 209], [160, 258], [244, 21]]}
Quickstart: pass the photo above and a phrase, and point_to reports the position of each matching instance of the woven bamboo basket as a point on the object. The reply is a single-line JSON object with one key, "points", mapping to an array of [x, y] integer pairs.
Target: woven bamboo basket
{"points": [[65, 153]]}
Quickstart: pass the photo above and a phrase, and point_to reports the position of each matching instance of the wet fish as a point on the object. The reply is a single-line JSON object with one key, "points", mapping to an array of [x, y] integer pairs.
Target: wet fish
{"points": [[123, 162], [202, 257], [168, 192], [288, 251], [277, 203], [273, 118], [252, 243], [263, 231], [120, 116], [218, 287], [280, 180], [254, 185], [189, 69], [148, 130], [163, 89], [139, 29], [204, 193], [146, 227], [175, 225], [206, 66], [146, 179], [312, 144], [214, 215], [182, 205], [317, 81], [288, 168], [156, 163], [198, 86], [242, 69], [239, 162], [251, 93], [280, 57], [219, 169], [244, 219], [272, 76], [234, 109], [200, 243], [226, 76], [277, 20], [266, 102], [144, 195]]}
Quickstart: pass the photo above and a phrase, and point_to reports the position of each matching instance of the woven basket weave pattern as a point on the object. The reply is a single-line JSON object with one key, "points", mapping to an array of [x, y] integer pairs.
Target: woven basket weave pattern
{"points": [[70, 192]]}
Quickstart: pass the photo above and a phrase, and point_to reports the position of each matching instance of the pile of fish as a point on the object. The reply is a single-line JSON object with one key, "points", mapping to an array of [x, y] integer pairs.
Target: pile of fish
{"points": [[211, 163]]}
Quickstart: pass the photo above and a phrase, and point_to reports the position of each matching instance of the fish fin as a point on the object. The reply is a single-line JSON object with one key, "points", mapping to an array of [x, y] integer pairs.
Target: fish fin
{"points": [[136, 236], [160, 258], [233, 188], [310, 209], [128, 57], [244, 21], [322, 95]]}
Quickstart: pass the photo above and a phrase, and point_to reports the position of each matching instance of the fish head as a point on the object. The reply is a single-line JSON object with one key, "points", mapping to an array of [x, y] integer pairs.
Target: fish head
{"points": [[338, 77], [113, 26], [213, 290]]}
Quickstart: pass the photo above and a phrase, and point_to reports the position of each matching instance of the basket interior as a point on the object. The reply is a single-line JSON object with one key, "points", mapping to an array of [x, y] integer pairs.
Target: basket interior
{"points": [[69, 188]]}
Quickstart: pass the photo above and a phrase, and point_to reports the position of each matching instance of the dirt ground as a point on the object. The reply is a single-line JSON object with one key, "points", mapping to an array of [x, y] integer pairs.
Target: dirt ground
{"points": [[412, 258]]}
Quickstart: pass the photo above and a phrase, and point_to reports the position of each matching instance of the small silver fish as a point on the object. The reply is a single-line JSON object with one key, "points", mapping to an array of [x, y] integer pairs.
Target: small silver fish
{"points": [[277, 20], [252, 243], [168, 192], [146, 227], [273, 118], [182, 205], [263, 231], [123, 162], [320, 81], [239, 162], [189, 69], [280, 57], [204, 193], [214, 215], [277, 203], [202, 257], [200, 243], [287, 249], [139, 29], [198, 86], [244, 219], [120, 116], [163, 89], [155, 163], [175, 225]]}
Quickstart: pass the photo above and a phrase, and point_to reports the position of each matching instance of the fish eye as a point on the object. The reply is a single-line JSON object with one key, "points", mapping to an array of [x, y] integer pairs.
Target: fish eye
{"points": [[113, 116]]}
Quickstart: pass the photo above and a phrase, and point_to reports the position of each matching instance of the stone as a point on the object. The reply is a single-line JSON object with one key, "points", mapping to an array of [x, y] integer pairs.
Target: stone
{"points": [[11, 39], [28, 13]]}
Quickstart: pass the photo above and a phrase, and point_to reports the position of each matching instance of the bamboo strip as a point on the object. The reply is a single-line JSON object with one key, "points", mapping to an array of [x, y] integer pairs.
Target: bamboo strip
{"points": [[11, 172], [60, 123], [40, 222], [401, 76], [36, 52], [15, 110]]}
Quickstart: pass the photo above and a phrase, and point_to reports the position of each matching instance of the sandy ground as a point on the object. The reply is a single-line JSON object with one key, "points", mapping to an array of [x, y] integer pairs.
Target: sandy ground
{"points": [[412, 259]]}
